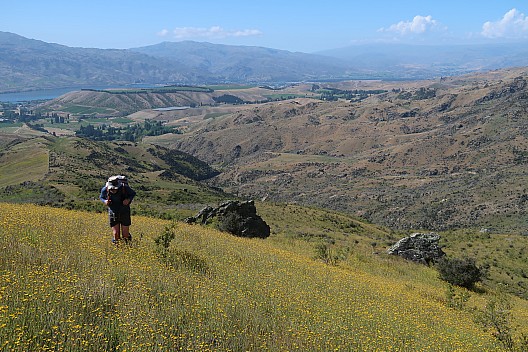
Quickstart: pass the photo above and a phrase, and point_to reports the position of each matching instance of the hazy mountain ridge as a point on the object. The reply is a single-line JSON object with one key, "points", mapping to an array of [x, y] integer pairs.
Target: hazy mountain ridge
{"points": [[249, 63], [28, 64], [428, 61]]}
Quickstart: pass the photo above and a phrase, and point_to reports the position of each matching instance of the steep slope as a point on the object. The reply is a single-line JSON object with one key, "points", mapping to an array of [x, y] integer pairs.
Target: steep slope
{"points": [[207, 290], [439, 154]]}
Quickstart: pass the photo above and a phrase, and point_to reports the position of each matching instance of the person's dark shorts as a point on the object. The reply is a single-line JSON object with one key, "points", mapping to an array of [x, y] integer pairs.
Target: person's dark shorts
{"points": [[122, 217]]}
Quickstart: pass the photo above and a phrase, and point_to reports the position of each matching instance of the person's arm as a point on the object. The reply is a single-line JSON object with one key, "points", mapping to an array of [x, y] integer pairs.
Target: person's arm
{"points": [[104, 195]]}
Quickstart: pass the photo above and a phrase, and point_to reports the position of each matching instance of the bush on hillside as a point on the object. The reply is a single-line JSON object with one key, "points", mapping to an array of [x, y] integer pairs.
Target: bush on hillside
{"points": [[32, 192], [459, 272]]}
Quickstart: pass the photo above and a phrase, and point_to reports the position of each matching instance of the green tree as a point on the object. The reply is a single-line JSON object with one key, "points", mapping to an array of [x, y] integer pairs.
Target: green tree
{"points": [[459, 272]]}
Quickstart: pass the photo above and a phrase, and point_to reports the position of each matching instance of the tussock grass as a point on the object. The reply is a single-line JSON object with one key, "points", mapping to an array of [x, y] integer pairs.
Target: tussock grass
{"points": [[64, 286]]}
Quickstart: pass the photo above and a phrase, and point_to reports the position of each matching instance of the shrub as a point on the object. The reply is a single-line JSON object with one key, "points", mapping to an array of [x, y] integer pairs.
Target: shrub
{"points": [[459, 272], [164, 240], [456, 300], [323, 252], [497, 317], [177, 258]]}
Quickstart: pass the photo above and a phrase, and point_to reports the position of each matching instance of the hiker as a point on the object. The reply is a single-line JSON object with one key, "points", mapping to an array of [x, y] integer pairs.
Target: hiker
{"points": [[117, 196]]}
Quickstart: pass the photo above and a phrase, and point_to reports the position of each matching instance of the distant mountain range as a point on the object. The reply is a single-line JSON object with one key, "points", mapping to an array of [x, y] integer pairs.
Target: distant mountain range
{"points": [[28, 64], [242, 64], [429, 61]]}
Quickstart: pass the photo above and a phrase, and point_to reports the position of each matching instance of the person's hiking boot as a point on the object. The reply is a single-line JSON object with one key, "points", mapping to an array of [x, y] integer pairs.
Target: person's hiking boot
{"points": [[128, 239]]}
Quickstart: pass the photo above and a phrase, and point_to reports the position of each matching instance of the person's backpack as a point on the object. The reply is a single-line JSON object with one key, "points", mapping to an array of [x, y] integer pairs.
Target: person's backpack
{"points": [[118, 180]]}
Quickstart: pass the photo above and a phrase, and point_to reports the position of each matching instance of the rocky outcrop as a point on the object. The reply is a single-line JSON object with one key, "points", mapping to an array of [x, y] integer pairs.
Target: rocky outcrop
{"points": [[238, 218], [422, 248]]}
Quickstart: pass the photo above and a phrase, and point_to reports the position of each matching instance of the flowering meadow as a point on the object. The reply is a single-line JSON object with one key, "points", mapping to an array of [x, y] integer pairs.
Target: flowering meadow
{"points": [[65, 287]]}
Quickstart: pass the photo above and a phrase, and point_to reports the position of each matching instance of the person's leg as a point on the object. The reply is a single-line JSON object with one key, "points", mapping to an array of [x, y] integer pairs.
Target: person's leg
{"points": [[125, 232], [114, 224], [125, 223], [116, 232]]}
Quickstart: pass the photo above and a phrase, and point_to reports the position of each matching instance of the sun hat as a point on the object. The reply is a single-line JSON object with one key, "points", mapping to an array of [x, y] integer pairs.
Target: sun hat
{"points": [[111, 186]]}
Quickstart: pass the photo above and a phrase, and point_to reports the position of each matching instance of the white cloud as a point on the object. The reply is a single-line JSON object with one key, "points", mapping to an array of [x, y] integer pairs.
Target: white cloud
{"points": [[163, 32], [514, 24], [246, 33], [418, 25], [211, 32]]}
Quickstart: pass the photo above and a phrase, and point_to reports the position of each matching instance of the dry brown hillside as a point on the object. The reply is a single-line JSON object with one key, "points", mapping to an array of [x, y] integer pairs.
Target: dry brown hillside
{"points": [[115, 102], [122, 104], [437, 154]]}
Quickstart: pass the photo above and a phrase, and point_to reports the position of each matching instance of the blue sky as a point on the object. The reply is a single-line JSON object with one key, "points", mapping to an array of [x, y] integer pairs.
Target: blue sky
{"points": [[306, 26]]}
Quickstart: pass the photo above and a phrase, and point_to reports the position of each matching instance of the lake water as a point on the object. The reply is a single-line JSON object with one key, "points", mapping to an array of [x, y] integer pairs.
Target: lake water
{"points": [[44, 94], [47, 94]]}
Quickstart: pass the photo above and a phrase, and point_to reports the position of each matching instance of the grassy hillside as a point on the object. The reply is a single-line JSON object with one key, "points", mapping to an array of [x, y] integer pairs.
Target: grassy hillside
{"points": [[63, 286], [338, 238], [70, 172], [24, 161], [107, 103]]}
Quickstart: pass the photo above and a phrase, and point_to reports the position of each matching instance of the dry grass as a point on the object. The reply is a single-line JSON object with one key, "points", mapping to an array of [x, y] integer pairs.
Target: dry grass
{"points": [[63, 286]]}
